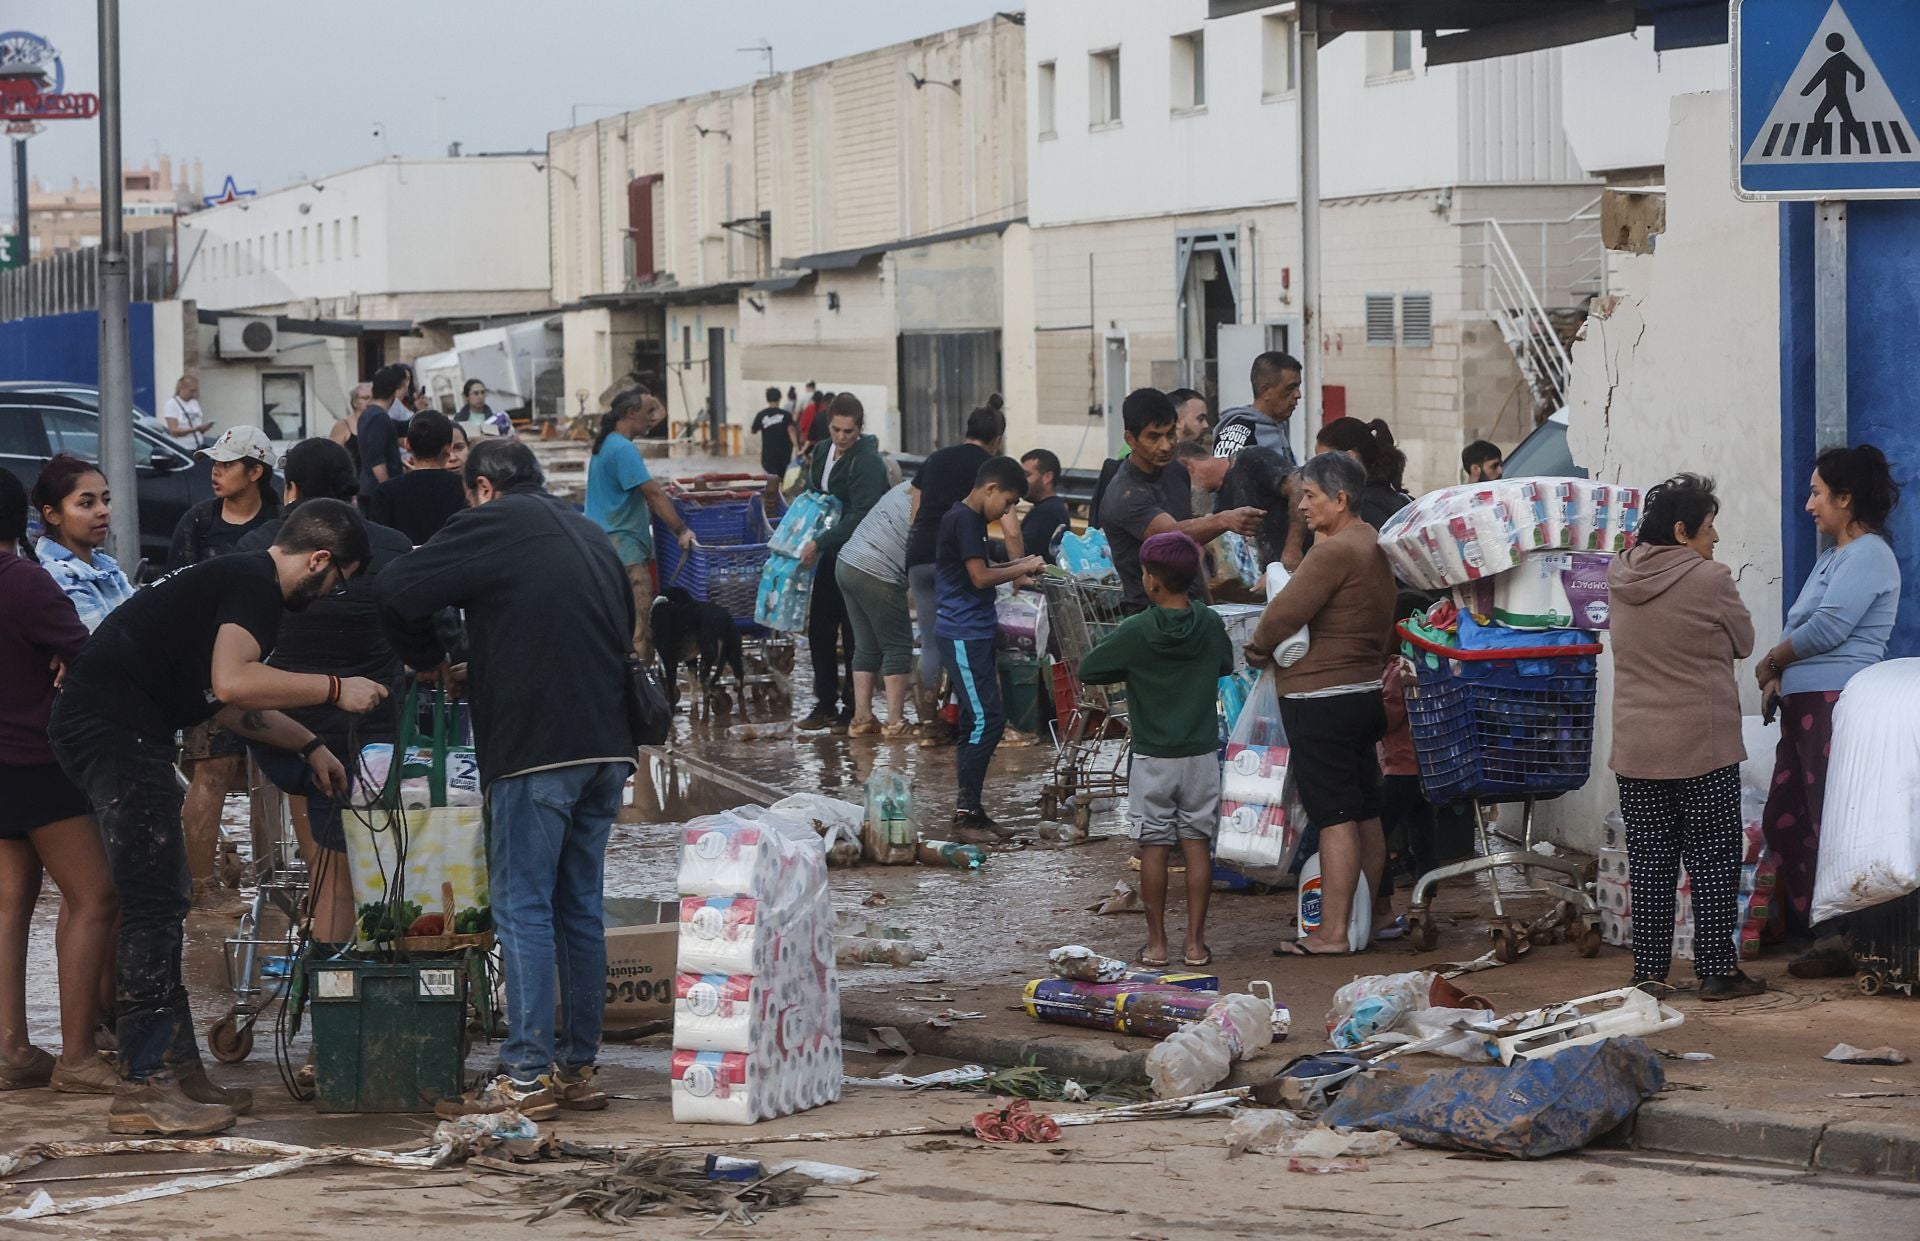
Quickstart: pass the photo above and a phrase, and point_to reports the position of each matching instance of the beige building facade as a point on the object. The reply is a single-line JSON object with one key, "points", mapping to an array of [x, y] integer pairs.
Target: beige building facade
{"points": [[812, 225], [152, 194]]}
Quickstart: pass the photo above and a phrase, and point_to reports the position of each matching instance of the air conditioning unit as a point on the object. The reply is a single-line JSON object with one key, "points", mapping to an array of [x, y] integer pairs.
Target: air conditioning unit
{"points": [[247, 337]]}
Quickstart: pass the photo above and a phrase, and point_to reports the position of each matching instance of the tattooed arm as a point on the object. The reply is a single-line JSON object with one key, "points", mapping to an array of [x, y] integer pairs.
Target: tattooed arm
{"points": [[283, 733]]}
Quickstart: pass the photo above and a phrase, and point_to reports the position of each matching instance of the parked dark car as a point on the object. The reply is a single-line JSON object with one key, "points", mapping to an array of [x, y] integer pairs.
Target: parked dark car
{"points": [[37, 422], [1544, 453]]}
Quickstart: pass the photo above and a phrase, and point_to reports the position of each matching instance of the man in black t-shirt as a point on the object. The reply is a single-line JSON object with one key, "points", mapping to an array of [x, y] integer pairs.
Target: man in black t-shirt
{"points": [[383, 424], [189, 648], [419, 502], [1048, 516], [778, 443], [1151, 494]]}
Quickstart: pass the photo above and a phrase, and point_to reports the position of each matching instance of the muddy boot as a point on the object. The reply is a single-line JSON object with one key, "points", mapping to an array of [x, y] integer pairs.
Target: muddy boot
{"points": [[934, 731], [159, 1106], [200, 1088], [210, 898], [93, 1074], [576, 1092]]}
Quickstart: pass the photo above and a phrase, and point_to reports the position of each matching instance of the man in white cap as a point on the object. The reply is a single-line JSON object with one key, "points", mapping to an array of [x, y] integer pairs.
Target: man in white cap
{"points": [[243, 497]]}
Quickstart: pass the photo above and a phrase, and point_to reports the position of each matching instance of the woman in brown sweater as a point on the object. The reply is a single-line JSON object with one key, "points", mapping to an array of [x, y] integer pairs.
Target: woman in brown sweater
{"points": [[1678, 626], [1330, 700]]}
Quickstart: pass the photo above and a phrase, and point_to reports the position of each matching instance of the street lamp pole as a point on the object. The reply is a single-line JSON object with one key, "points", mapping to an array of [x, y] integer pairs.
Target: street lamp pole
{"points": [[116, 356]]}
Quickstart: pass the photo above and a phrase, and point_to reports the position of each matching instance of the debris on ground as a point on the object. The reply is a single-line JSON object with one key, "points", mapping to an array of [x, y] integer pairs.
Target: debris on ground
{"points": [[1326, 1165], [969, 1076], [1016, 1122], [653, 1182], [1271, 1131], [1124, 899], [1526, 1110], [1082, 964], [1847, 1053]]}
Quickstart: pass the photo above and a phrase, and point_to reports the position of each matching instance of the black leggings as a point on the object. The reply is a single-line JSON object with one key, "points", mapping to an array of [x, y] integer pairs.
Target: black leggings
{"points": [[1697, 819], [830, 635]]}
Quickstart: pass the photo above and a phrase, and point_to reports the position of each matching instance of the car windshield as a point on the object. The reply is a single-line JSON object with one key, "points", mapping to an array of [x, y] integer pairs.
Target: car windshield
{"points": [[1544, 454]]}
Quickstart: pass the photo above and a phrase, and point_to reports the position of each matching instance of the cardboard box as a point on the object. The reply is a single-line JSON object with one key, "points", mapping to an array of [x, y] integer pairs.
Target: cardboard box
{"points": [[643, 945]]}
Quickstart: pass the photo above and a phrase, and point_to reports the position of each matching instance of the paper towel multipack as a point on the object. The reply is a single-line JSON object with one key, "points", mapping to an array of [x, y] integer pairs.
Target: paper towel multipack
{"points": [[1459, 535], [756, 1012]]}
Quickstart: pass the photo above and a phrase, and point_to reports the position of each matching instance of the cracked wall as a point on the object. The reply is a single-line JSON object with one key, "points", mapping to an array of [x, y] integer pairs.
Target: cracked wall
{"points": [[1678, 370]]}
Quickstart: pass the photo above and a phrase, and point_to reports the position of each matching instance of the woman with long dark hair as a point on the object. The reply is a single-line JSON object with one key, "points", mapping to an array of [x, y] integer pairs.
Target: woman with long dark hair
{"points": [[1839, 625], [46, 824], [1679, 626], [1372, 445], [74, 505]]}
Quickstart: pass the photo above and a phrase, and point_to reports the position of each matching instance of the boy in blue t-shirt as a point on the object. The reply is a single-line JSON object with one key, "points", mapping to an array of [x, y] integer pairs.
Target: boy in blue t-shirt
{"points": [[966, 624]]}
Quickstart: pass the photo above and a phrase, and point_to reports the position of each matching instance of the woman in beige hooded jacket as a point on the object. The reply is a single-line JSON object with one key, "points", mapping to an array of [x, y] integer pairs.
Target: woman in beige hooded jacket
{"points": [[1678, 627]]}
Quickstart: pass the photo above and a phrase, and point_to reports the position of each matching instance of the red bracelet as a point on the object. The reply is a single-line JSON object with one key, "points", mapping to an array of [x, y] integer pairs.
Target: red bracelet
{"points": [[333, 689]]}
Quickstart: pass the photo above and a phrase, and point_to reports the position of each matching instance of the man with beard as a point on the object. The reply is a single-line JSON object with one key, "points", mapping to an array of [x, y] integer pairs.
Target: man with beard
{"points": [[188, 648]]}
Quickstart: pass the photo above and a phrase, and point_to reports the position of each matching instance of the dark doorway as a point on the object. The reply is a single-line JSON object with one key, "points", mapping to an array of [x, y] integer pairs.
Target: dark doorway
{"points": [[943, 377]]}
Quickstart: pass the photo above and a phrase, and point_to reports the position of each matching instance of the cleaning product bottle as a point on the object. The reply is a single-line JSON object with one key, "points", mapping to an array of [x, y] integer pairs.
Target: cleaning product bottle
{"points": [[948, 853], [1359, 923], [1198, 1057]]}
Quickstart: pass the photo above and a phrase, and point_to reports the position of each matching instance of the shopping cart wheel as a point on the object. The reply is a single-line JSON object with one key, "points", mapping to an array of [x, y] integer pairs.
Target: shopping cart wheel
{"points": [[1589, 941], [1421, 932], [1870, 984], [229, 1041], [1506, 944]]}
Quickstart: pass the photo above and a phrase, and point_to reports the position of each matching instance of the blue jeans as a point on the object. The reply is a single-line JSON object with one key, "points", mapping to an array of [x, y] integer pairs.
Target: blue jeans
{"points": [[546, 854]]}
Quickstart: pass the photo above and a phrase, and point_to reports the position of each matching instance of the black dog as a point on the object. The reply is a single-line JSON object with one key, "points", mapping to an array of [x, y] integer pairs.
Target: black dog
{"points": [[687, 631]]}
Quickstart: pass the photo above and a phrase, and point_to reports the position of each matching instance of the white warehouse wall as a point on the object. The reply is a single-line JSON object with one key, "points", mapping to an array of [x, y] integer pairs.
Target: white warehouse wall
{"points": [[1680, 370], [399, 226]]}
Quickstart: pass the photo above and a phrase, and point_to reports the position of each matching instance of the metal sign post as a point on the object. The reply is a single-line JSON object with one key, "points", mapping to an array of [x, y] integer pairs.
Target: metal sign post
{"points": [[1826, 93], [116, 357]]}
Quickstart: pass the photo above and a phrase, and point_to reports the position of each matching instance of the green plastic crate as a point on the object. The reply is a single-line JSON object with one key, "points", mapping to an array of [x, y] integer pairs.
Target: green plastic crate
{"points": [[388, 1036], [1022, 692]]}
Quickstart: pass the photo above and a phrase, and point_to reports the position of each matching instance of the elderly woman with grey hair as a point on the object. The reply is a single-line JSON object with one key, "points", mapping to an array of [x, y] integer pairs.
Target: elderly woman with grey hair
{"points": [[1330, 703]]}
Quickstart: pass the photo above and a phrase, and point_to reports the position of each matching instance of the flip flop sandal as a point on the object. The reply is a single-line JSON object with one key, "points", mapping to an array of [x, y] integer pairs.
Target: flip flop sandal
{"points": [[1205, 959], [1151, 962], [1294, 948], [1397, 929]]}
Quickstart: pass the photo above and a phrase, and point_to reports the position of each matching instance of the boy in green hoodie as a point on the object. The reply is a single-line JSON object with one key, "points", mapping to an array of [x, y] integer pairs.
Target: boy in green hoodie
{"points": [[1172, 655]]}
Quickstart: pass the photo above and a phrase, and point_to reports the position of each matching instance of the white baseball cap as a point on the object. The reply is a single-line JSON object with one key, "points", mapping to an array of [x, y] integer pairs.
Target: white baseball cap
{"points": [[242, 444]]}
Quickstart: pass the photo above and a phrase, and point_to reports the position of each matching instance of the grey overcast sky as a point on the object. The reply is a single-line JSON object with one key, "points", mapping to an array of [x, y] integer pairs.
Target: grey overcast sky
{"points": [[272, 91]]}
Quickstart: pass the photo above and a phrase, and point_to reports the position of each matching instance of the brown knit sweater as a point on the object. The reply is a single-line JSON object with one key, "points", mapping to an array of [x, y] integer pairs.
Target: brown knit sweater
{"points": [[1343, 593]]}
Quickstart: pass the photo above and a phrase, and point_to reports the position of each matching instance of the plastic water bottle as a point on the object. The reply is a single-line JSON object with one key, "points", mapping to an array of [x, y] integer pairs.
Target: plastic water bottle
{"points": [[1359, 922], [1198, 1057], [949, 853]]}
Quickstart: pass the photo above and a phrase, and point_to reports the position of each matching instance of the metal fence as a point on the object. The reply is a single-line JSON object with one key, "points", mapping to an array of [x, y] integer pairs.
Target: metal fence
{"points": [[69, 281]]}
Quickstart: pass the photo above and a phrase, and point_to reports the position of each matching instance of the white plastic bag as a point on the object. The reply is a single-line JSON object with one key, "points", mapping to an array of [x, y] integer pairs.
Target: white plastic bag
{"points": [[1870, 830], [1254, 824]]}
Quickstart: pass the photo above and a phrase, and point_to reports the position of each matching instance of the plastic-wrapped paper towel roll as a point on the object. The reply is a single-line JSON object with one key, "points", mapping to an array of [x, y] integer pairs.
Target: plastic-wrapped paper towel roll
{"points": [[713, 1012], [713, 1087], [718, 935], [1624, 526], [1254, 773], [1290, 652]]}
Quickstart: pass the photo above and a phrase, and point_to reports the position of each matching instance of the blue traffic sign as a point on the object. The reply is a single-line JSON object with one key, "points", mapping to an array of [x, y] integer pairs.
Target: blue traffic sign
{"points": [[1825, 96]]}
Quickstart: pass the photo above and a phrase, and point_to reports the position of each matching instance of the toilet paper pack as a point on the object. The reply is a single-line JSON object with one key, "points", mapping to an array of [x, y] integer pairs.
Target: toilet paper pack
{"points": [[1461, 535], [757, 1001]]}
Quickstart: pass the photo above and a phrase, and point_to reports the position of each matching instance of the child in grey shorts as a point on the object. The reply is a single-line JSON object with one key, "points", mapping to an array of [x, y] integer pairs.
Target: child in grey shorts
{"points": [[1172, 657]]}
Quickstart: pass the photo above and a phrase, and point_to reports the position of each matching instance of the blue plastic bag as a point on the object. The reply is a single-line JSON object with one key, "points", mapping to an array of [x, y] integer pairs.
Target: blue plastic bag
{"points": [[811, 514], [786, 594], [1528, 1110]]}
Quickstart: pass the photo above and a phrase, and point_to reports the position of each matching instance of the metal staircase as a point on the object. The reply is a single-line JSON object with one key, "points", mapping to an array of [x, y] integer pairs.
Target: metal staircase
{"points": [[1510, 293]]}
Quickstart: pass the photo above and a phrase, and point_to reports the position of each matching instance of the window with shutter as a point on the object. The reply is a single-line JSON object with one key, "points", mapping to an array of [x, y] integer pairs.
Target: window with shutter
{"points": [[1379, 318], [1416, 319]]}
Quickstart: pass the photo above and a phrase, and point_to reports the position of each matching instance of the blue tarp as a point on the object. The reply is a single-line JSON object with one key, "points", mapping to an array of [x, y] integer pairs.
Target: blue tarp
{"points": [[1527, 1110]]}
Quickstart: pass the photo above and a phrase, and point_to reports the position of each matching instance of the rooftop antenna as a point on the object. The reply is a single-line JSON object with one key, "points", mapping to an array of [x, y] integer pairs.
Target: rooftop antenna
{"points": [[762, 48]]}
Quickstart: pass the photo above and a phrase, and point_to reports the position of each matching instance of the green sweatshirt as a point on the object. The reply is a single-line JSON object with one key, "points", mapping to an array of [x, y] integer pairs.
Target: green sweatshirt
{"points": [[1172, 661]]}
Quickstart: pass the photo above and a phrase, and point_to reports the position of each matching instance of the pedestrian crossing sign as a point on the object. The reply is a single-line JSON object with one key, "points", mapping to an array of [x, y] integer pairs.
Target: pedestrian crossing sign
{"points": [[1825, 92]]}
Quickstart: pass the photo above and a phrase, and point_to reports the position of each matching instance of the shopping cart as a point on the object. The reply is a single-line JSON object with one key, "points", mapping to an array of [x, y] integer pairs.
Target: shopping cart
{"points": [[1886, 945], [1505, 725], [258, 959], [1090, 739]]}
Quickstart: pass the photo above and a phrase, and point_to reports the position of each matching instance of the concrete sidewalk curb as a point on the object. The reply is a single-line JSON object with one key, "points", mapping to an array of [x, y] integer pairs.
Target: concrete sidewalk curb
{"points": [[1672, 1125]]}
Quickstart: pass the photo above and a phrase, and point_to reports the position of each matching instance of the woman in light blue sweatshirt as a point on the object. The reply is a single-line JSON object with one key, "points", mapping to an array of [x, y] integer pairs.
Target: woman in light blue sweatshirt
{"points": [[74, 506], [1839, 625]]}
